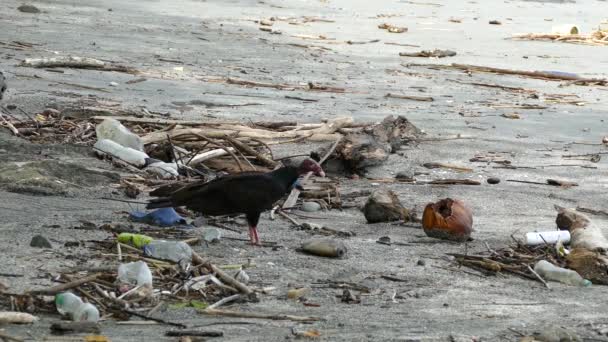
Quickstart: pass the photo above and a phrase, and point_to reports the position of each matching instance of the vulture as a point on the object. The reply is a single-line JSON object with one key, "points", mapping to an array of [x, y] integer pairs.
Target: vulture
{"points": [[249, 193]]}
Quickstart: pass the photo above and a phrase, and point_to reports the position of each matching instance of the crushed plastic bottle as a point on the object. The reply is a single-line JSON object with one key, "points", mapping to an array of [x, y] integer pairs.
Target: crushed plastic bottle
{"points": [[126, 154], [68, 303], [135, 273], [113, 130], [176, 251], [164, 170], [554, 273]]}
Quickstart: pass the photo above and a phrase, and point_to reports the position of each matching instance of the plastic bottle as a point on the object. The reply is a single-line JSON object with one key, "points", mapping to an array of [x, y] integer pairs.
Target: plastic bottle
{"points": [[113, 130], [176, 251], [549, 237], [70, 304], [135, 273], [126, 154], [164, 170], [554, 273]]}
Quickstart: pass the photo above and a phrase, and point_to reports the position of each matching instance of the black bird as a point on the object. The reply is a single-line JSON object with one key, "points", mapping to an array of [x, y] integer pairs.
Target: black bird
{"points": [[249, 193]]}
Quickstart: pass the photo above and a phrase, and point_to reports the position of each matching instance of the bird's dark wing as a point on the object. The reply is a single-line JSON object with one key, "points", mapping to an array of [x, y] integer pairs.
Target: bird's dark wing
{"points": [[233, 194]]}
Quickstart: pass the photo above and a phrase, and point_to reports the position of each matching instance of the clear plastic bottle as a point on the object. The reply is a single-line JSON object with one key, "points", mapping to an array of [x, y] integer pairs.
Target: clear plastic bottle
{"points": [[554, 273], [135, 273], [113, 130], [176, 251], [68, 303], [86, 312], [126, 154]]}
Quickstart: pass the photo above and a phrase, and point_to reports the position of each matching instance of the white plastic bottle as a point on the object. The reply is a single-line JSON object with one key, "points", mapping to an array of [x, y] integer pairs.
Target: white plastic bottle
{"points": [[135, 273], [113, 130], [86, 312], [554, 273], [176, 251], [126, 154], [68, 303], [550, 237]]}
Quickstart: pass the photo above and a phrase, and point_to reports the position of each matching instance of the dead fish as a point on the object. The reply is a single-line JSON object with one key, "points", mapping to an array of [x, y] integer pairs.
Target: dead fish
{"points": [[324, 247]]}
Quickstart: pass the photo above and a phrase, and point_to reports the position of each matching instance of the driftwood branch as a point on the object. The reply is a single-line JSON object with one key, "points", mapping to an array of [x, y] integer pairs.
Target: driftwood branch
{"points": [[220, 145], [229, 280], [276, 317], [75, 63], [63, 287]]}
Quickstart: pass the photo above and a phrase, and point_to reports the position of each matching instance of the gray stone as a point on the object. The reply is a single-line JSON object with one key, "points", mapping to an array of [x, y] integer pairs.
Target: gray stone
{"points": [[28, 9], [493, 180], [555, 333], [405, 175], [311, 206], [383, 205], [40, 241]]}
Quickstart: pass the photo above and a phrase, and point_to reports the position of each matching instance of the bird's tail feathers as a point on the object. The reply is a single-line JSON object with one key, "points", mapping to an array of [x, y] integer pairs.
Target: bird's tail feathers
{"points": [[162, 202]]}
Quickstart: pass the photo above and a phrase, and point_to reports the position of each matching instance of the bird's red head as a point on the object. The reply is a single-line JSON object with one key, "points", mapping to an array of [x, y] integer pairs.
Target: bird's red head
{"points": [[309, 165]]}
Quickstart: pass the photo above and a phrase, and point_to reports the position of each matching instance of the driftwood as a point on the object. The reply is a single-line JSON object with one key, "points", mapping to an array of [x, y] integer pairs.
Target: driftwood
{"points": [[326, 132], [532, 74], [63, 287], [75, 63], [410, 97], [241, 314], [584, 233], [597, 38], [79, 327]]}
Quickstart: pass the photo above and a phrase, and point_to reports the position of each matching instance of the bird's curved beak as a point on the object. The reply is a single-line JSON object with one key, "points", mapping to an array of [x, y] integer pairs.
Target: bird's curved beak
{"points": [[320, 173]]}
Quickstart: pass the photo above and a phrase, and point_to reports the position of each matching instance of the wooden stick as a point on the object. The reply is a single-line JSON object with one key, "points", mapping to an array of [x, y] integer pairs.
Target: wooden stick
{"points": [[410, 97], [180, 333], [213, 142], [63, 287], [75, 63], [199, 158], [140, 315], [538, 276], [224, 301], [268, 162], [532, 74], [228, 279], [9, 125], [227, 313]]}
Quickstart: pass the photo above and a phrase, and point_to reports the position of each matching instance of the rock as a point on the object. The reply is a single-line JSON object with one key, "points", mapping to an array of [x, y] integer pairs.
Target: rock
{"points": [[311, 206], [50, 177], [421, 262], [212, 235], [493, 180], [2, 85], [40, 241], [113, 84], [28, 9], [495, 22], [554, 333], [405, 175], [349, 297], [384, 206]]}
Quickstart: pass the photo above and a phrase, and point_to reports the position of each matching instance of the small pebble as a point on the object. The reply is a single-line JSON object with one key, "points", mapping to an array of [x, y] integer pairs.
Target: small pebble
{"points": [[405, 175], [212, 235], [421, 262], [493, 180], [113, 84], [28, 9], [40, 241], [495, 22], [311, 206]]}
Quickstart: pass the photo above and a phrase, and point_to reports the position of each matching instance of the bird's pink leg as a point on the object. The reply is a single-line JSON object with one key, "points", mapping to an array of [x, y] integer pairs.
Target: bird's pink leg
{"points": [[253, 236]]}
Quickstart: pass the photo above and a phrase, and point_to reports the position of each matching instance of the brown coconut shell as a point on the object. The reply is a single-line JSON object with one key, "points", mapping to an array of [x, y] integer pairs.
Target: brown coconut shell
{"points": [[448, 219]]}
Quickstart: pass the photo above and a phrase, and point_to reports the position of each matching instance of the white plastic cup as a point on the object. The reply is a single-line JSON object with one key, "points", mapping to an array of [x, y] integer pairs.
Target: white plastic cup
{"points": [[549, 237]]}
